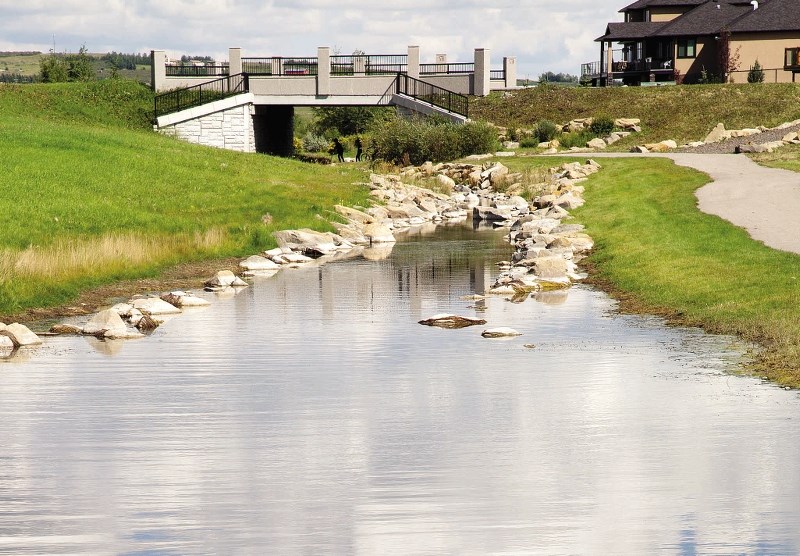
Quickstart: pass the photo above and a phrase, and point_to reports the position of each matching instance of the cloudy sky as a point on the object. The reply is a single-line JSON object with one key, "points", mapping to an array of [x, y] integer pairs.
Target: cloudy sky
{"points": [[544, 35]]}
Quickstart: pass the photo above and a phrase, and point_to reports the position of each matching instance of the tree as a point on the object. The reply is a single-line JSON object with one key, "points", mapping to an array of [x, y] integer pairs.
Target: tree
{"points": [[728, 61], [80, 66], [756, 73], [53, 68], [346, 120], [58, 68]]}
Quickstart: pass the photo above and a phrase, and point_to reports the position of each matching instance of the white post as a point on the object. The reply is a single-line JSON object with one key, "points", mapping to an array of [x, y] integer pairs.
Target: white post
{"points": [[158, 70], [510, 67], [323, 71], [234, 61], [482, 72], [413, 62]]}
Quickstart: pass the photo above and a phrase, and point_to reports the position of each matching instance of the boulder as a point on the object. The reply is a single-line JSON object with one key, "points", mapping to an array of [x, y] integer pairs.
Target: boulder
{"points": [[182, 299], [596, 143], [551, 269], [500, 332], [378, 233], [20, 335], [639, 149], [354, 215], [627, 123], [306, 241], [793, 136], [66, 330], [154, 306], [716, 134], [445, 182], [491, 214], [257, 262], [451, 321], [225, 279], [106, 322]]}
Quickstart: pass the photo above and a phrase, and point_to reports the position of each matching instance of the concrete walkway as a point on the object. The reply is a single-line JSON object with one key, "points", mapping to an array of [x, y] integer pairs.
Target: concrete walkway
{"points": [[763, 201]]}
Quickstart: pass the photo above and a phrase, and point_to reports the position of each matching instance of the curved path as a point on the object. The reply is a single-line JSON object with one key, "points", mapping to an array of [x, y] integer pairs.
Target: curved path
{"points": [[763, 201]]}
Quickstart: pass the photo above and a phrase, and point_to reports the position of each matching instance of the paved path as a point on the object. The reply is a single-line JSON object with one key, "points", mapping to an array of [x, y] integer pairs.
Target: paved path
{"points": [[763, 201]]}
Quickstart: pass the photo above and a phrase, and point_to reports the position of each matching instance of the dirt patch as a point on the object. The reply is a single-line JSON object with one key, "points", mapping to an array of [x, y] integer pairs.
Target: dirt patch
{"points": [[186, 276]]}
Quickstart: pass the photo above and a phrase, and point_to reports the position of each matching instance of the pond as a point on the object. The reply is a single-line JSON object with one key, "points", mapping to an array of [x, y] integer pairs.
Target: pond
{"points": [[312, 414]]}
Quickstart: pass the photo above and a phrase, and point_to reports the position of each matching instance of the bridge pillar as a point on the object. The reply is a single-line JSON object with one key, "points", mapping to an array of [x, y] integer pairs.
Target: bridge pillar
{"points": [[158, 69], [234, 61], [273, 129], [413, 62], [482, 72], [323, 71], [510, 70]]}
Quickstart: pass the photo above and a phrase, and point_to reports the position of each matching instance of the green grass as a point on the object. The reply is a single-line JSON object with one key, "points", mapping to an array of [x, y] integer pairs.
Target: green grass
{"points": [[25, 65], [661, 255], [83, 172], [683, 113], [787, 158]]}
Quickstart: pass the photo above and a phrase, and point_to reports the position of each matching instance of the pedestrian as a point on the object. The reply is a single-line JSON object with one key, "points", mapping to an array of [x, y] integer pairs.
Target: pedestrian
{"points": [[358, 149], [337, 146]]}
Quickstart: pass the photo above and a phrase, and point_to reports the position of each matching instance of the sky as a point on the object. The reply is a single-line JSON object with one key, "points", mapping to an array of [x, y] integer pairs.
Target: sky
{"points": [[544, 35]]}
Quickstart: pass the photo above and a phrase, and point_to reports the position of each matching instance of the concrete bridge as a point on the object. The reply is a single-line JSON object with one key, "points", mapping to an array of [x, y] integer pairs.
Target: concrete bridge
{"points": [[247, 104]]}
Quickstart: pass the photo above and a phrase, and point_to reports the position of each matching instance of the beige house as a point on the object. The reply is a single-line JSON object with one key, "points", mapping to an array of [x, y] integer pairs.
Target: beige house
{"points": [[668, 41]]}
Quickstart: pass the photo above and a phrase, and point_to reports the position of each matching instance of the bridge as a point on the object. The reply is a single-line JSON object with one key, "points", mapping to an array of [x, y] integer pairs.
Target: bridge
{"points": [[247, 104]]}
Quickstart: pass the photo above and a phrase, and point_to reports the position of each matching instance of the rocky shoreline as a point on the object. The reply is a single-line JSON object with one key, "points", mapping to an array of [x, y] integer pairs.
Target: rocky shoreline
{"points": [[546, 247]]}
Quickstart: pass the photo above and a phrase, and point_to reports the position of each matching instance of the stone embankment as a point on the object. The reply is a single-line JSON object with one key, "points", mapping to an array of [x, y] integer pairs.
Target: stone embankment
{"points": [[546, 247]]}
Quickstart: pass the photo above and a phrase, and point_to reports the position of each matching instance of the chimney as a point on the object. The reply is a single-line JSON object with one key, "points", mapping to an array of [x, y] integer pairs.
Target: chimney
{"points": [[754, 4]]}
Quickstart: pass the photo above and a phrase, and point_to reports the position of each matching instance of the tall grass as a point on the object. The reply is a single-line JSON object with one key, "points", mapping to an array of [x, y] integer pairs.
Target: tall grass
{"points": [[86, 201], [660, 254]]}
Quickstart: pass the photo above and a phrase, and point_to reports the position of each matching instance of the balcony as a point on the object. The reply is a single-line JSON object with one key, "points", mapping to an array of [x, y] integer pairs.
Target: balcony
{"points": [[622, 68]]}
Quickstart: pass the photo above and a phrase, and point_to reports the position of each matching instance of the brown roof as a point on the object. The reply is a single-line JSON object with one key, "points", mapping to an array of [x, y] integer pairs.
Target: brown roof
{"points": [[706, 19], [642, 4], [773, 15], [631, 30]]}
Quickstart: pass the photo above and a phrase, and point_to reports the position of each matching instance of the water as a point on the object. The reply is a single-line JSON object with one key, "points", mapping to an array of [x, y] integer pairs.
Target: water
{"points": [[311, 414]]}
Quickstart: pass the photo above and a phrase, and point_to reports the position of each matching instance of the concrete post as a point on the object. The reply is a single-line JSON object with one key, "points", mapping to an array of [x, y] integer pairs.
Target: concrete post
{"points": [[510, 67], [234, 61], [441, 63], [359, 64], [610, 64], [158, 70], [413, 62], [323, 71], [482, 83]]}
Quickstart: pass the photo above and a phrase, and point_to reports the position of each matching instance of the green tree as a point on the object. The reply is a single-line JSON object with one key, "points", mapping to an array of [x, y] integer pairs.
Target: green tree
{"points": [[756, 73], [53, 68], [346, 120], [80, 66]]}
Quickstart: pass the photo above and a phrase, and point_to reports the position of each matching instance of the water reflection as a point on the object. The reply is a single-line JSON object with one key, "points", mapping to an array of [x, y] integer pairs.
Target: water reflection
{"points": [[310, 413]]}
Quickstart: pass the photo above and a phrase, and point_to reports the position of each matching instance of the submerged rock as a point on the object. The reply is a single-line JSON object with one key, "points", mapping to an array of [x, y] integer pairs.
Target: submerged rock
{"points": [[501, 332], [451, 321]]}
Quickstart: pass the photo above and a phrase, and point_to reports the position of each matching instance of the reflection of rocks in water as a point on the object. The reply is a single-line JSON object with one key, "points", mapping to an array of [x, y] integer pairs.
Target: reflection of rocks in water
{"points": [[378, 252], [551, 297], [105, 347], [7, 352], [519, 297], [260, 274], [5, 342], [227, 293]]}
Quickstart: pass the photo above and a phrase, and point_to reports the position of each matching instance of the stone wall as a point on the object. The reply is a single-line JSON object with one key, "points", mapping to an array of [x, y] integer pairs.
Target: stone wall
{"points": [[230, 129]]}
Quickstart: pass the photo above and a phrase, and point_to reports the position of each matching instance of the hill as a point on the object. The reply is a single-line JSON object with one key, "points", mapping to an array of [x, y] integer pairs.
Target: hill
{"points": [[683, 113], [92, 195]]}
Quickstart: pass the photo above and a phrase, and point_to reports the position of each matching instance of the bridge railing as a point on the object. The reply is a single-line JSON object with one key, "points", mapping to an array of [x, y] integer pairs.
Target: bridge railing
{"points": [[386, 64], [189, 97], [497, 75], [437, 96], [448, 69], [210, 70], [280, 66]]}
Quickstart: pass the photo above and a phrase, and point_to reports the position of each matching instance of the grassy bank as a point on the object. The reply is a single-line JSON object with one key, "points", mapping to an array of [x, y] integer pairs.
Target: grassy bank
{"points": [[91, 195], [658, 254], [683, 113]]}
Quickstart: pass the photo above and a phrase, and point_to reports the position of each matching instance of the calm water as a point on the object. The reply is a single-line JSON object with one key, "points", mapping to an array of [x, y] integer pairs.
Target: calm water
{"points": [[311, 414]]}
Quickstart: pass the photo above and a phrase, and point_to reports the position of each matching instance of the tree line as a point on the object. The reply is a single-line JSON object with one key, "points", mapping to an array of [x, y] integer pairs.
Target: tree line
{"points": [[120, 60]]}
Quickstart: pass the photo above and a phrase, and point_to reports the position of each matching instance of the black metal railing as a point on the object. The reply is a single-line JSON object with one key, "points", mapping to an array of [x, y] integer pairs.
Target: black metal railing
{"points": [[437, 96], [280, 66], [189, 97], [792, 59], [497, 75], [431, 69], [211, 70], [384, 64], [346, 65]]}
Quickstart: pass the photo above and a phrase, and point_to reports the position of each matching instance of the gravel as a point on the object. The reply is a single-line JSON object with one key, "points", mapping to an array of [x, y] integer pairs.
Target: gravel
{"points": [[728, 146]]}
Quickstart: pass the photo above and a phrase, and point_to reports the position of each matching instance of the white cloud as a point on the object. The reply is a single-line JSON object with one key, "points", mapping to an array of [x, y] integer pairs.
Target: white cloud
{"points": [[543, 35]]}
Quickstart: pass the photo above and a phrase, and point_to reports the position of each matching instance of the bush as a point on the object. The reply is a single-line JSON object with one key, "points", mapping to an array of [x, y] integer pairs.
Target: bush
{"points": [[313, 143], [404, 141], [602, 126], [576, 138], [529, 142], [546, 131], [756, 73]]}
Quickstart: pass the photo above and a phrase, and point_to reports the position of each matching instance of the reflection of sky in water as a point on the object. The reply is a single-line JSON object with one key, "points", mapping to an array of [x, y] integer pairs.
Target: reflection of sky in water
{"points": [[311, 413]]}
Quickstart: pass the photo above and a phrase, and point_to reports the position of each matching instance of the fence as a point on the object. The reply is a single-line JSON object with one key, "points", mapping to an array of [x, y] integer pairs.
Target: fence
{"points": [[280, 66], [437, 96], [430, 69], [189, 97], [497, 75], [211, 70], [776, 75]]}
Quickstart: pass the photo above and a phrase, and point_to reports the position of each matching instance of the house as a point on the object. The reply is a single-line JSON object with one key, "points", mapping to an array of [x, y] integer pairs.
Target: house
{"points": [[668, 41]]}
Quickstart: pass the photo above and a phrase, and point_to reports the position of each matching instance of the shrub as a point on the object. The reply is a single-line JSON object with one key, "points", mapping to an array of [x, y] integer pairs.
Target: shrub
{"points": [[529, 142], [576, 138], [546, 131], [602, 126], [756, 73], [313, 143], [404, 141]]}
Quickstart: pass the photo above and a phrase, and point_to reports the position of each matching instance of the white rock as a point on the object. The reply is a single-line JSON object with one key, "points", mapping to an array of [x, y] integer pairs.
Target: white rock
{"points": [[155, 306], [378, 233], [104, 321], [20, 335], [500, 332], [257, 262]]}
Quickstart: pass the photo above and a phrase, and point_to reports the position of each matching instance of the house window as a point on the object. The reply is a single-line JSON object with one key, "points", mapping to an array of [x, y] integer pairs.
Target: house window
{"points": [[687, 48]]}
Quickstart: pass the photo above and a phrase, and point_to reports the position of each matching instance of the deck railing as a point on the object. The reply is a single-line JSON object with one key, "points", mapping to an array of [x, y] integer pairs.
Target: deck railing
{"points": [[189, 97], [210, 70], [497, 75], [437, 96], [384, 64], [590, 68]]}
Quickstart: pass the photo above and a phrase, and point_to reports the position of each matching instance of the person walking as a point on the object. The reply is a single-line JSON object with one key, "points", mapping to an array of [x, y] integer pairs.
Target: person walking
{"points": [[339, 149], [358, 149]]}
